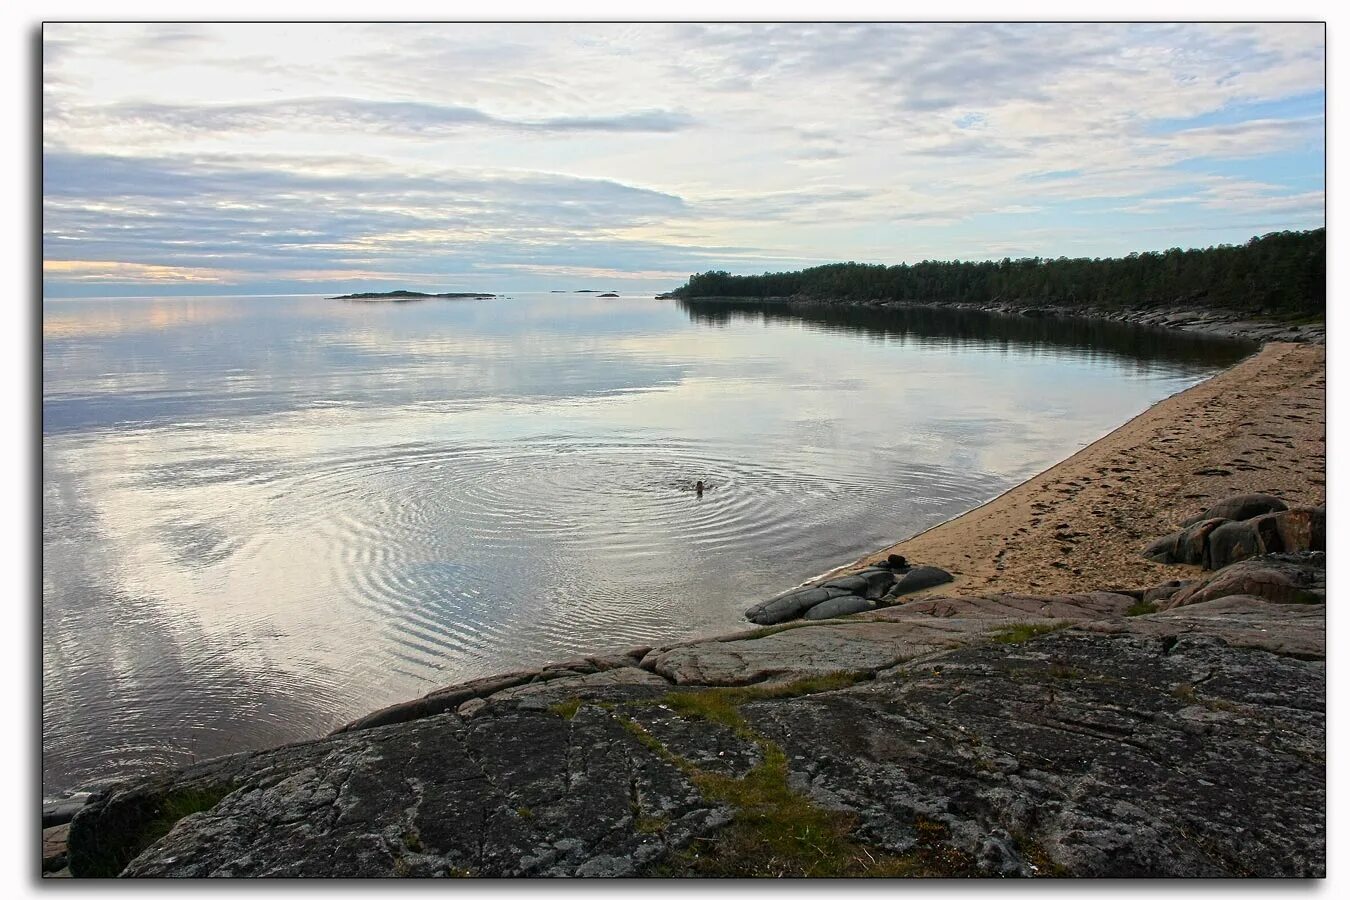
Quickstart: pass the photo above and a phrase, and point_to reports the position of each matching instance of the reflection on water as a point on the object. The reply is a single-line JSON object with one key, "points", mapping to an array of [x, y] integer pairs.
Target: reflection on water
{"points": [[935, 326], [263, 517]]}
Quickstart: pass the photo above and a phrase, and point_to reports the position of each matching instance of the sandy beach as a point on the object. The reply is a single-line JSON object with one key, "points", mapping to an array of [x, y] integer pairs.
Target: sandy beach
{"points": [[1257, 427]]}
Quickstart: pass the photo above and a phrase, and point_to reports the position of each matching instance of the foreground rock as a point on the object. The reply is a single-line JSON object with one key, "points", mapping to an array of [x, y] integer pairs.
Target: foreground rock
{"points": [[1004, 735], [1078, 754], [1279, 578]]}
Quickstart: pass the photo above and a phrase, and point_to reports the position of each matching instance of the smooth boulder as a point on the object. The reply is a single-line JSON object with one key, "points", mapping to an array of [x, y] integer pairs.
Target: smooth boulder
{"points": [[871, 582], [789, 606], [1190, 545], [841, 606], [1235, 541], [1281, 578], [919, 578], [1239, 508], [1159, 594]]}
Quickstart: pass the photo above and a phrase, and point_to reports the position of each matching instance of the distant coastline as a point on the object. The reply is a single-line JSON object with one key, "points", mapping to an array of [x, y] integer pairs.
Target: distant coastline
{"points": [[398, 296]]}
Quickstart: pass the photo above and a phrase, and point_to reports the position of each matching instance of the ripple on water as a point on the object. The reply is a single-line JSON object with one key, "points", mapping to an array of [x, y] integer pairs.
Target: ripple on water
{"points": [[459, 548]]}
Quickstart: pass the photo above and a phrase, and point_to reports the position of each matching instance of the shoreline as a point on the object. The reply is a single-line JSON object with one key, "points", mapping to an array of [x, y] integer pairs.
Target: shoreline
{"points": [[1016, 527], [929, 547], [1200, 320], [1039, 572], [1061, 547]]}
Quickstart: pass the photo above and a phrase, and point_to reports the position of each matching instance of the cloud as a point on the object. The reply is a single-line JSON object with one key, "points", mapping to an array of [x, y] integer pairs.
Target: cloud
{"points": [[343, 114], [110, 270], [292, 151]]}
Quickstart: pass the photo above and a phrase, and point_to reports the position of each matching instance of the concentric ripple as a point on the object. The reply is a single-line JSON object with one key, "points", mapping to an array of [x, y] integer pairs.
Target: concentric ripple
{"points": [[282, 513]]}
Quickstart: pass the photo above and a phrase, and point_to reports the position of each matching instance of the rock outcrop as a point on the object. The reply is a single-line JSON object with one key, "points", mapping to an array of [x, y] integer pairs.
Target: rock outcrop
{"points": [[1004, 735], [1239, 528]]}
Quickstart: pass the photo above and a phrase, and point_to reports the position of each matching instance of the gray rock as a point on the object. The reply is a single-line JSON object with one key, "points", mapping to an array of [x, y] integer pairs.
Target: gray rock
{"points": [[1241, 620], [840, 606], [1164, 549], [917, 579], [58, 812], [1190, 545], [518, 794], [1233, 541], [1239, 508], [1257, 536], [1161, 593], [1001, 608], [791, 605], [854, 584], [871, 582], [1213, 766], [1283, 578], [814, 650], [596, 684], [1183, 743]]}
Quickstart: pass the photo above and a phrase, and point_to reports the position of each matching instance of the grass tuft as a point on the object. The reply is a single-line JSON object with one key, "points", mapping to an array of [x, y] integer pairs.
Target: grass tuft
{"points": [[1025, 631], [1141, 608], [567, 708]]}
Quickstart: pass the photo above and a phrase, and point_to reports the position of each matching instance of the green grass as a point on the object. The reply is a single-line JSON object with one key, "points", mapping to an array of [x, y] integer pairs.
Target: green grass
{"points": [[650, 824], [1025, 631], [567, 708], [775, 831], [1141, 608]]}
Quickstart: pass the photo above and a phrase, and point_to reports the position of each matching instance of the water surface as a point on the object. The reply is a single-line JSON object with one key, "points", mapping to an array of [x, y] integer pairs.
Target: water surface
{"points": [[266, 516]]}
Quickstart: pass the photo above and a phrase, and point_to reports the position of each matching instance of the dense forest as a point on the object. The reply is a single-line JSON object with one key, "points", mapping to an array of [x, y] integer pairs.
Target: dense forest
{"points": [[1280, 273]]}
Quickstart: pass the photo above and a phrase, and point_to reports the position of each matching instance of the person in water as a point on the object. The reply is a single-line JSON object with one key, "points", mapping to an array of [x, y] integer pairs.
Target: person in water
{"points": [[698, 488]]}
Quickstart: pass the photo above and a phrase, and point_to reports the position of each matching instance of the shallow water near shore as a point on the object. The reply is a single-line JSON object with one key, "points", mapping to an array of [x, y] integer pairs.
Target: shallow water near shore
{"points": [[266, 516]]}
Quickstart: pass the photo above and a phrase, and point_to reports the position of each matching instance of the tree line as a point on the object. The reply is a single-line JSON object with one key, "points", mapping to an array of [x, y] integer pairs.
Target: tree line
{"points": [[1279, 273]]}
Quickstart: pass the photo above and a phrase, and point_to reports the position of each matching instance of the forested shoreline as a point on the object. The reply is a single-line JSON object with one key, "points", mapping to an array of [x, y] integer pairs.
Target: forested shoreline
{"points": [[1281, 273]]}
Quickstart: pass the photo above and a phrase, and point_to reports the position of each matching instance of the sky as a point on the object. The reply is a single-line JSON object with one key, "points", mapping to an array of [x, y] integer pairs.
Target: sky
{"points": [[310, 158]]}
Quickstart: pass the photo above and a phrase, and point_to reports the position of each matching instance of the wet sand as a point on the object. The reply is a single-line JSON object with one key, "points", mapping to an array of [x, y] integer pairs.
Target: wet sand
{"points": [[1257, 427]]}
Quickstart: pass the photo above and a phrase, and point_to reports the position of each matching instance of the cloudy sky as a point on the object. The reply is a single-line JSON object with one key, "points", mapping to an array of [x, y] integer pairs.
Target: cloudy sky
{"points": [[309, 158]]}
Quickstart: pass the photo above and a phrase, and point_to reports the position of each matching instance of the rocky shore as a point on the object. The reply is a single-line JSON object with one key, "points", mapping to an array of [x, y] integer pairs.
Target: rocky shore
{"points": [[1185, 317], [1063, 706]]}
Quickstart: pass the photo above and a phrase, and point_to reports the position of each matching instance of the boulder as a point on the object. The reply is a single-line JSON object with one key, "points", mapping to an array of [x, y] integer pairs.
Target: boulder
{"points": [[1231, 542], [918, 578], [58, 812], [1302, 528], [1282, 578], [871, 582], [1159, 594], [1189, 545], [789, 606], [1239, 508], [1192, 544], [841, 606], [1164, 549]]}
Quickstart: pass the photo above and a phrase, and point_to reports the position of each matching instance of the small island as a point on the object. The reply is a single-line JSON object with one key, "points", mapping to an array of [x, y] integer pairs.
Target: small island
{"points": [[610, 294], [405, 296]]}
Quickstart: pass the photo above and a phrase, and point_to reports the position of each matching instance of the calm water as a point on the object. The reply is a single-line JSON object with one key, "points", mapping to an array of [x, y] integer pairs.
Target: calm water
{"points": [[265, 516]]}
